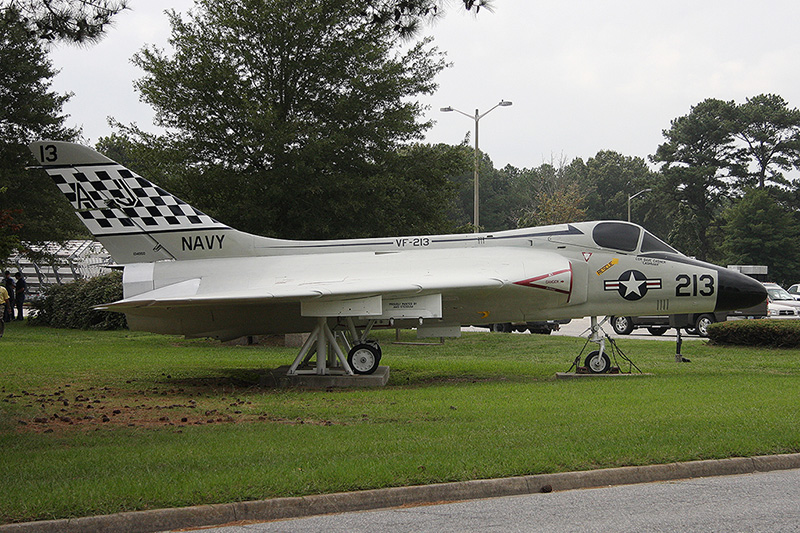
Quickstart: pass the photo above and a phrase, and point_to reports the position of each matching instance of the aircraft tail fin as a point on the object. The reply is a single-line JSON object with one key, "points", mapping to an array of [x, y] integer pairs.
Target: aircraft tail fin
{"points": [[135, 220]]}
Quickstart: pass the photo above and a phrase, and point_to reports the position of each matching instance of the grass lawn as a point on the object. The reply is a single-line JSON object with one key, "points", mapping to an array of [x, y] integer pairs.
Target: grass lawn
{"points": [[101, 422]]}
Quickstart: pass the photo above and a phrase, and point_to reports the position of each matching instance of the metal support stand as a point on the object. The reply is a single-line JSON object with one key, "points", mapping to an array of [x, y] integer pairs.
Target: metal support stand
{"points": [[598, 336], [323, 342]]}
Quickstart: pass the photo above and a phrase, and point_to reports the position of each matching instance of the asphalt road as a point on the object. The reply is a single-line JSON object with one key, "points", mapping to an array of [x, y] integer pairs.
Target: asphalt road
{"points": [[751, 502]]}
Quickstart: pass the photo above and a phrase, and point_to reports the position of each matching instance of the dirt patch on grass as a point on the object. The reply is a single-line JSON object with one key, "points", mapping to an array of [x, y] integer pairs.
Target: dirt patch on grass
{"points": [[204, 402]]}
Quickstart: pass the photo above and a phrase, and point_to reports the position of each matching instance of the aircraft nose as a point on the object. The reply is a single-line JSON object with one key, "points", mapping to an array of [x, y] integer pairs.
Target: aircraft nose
{"points": [[737, 291]]}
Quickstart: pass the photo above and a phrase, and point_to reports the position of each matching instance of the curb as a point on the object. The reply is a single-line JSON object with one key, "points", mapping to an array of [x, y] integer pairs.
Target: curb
{"points": [[282, 508]]}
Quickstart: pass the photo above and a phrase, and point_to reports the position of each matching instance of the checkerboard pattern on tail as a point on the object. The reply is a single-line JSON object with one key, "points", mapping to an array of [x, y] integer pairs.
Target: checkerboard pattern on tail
{"points": [[135, 220], [111, 199]]}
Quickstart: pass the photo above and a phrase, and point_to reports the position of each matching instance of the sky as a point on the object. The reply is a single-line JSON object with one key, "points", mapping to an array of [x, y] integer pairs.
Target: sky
{"points": [[583, 75]]}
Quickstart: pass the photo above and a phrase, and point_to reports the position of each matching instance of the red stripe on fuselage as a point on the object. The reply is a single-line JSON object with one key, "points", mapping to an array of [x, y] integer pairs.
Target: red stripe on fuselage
{"points": [[530, 282]]}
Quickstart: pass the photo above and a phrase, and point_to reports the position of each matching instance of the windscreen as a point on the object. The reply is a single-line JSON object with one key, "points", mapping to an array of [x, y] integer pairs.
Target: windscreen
{"points": [[651, 243], [617, 235]]}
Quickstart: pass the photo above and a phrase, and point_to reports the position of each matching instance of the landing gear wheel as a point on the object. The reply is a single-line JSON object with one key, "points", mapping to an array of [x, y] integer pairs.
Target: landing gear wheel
{"points": [[657, 332], [596, 363], [364, 358], [701, 326], [623, 325]]}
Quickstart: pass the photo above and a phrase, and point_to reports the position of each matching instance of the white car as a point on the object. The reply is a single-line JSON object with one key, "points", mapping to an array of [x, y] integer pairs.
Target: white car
{"points": [[781, 304]]}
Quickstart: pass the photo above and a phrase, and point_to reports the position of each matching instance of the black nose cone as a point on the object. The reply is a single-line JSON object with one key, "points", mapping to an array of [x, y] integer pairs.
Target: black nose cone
{"points": [[737, 291]]}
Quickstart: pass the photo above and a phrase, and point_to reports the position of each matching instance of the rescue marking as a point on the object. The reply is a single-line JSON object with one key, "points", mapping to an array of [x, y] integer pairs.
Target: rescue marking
{"points": [[607, 266]]}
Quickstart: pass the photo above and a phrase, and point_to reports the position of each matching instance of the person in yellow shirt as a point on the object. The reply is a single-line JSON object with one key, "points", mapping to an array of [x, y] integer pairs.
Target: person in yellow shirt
{"points": [[6, 302]]}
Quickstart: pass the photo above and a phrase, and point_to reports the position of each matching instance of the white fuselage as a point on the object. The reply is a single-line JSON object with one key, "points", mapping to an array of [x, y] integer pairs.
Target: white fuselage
{"points": [[514, 276]]}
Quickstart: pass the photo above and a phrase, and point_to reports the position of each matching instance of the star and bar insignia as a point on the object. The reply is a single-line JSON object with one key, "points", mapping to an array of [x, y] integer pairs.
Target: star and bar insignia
{"points": [[632, 285]]}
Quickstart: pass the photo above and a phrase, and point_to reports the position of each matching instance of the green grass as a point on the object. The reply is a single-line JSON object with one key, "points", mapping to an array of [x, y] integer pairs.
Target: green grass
{"points": [[192, 425]]}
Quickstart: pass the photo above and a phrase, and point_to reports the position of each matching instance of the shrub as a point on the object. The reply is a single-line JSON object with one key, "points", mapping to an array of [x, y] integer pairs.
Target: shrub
{"points": [[70, 305], [774, 333]]}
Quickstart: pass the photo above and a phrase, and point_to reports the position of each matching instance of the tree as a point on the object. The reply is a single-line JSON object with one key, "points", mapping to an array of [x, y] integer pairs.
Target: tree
{"points": [[142, 152], [770, 133], [511, 197], [415, 190], [550, 194], [77, 21], [498, 204], [761, 232], [32, 209], [696, 162], [404, 16], [610, 178], [559, 207], [287, 112], [9, 240]]}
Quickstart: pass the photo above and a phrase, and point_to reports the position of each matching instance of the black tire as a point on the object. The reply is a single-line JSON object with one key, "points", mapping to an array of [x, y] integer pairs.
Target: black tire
{"points": [[502, 328], [596, 363], [701, 326], [377, 346], [364, 358], [656, 331], [622, 325]]}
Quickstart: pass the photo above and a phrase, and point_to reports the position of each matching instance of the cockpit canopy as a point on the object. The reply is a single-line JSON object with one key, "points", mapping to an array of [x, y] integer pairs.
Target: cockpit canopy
{"points": [[627, 237]]}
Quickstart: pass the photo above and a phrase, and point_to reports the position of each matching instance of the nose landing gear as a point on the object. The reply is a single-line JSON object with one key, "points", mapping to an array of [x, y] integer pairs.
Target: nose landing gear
{"points": [[599, 361]]}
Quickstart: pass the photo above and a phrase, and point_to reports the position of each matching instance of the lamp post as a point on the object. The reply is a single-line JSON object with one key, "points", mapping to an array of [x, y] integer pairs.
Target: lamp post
{"points": [[477, 117], [632, 197]]}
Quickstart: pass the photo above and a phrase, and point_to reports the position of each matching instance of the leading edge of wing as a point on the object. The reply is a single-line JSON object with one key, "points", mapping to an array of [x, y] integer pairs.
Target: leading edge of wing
{"points": [[189, 293]]}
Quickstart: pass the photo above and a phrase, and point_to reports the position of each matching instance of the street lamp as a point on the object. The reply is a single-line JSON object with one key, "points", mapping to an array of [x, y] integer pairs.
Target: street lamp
{"points": [[632, 197], [476, 117]]}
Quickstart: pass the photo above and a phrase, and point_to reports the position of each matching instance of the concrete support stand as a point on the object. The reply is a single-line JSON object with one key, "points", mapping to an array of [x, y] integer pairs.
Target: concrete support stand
{"points": [[280, 377]]}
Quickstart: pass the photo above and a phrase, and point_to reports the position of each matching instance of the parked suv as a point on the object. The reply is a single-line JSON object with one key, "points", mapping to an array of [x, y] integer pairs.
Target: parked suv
{"points": [[658, 325]]}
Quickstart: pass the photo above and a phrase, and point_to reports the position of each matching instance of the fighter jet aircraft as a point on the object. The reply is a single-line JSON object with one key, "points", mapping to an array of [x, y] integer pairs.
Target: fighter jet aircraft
{"points": [[188, 274]]}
